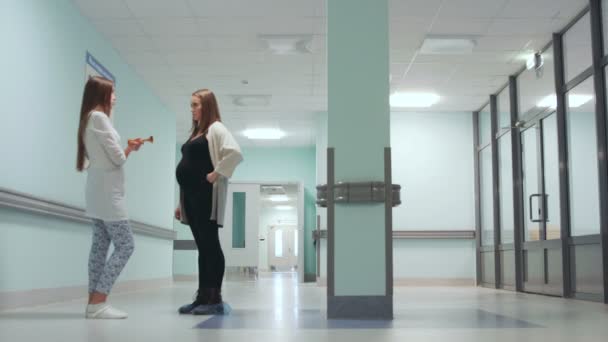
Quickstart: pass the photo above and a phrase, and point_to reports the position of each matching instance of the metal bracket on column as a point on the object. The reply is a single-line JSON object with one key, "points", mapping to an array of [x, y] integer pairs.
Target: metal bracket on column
{"points": [[359, 192]]}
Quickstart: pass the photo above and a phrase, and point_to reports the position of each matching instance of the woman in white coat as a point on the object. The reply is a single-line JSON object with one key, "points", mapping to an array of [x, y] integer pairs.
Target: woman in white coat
{"points": [[99, 144], [209, 158]]}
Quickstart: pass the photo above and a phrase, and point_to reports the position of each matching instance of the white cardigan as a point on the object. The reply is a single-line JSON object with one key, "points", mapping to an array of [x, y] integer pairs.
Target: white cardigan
{"points": [[225, 156], [105, 189]]}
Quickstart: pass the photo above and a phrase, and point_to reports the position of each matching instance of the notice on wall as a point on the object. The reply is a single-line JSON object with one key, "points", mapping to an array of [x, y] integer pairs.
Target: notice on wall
{"points": [[94, 68]]}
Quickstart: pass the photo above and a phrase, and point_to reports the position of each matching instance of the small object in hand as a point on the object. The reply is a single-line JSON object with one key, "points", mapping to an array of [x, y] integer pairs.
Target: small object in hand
{"points": [[140, 140]]}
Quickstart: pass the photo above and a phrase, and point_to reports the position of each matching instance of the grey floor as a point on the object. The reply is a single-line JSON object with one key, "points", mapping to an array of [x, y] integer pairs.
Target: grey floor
{"points": [[276, 308]]}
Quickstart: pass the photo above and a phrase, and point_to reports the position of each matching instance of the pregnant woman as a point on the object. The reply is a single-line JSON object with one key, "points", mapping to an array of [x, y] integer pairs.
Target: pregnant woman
{"points": [[209, 158]]}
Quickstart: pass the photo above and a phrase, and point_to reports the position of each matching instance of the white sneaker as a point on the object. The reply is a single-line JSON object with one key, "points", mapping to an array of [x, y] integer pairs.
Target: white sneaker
{"points": [[104, 311]]}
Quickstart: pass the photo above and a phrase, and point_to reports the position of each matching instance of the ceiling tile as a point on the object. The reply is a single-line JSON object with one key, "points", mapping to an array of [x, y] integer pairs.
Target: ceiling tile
{"points": [[159, 8], [414, 8], [133, 44], [144, 58], [182, 44], [170, 26], [118, 27], [506, 27], [471, 8], [460, 27], [542, 8], [106, 9]]}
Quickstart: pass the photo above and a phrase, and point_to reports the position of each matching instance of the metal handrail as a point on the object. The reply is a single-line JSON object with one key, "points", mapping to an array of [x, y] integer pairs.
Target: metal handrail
{"points": [[417, 234], [32, 204]]}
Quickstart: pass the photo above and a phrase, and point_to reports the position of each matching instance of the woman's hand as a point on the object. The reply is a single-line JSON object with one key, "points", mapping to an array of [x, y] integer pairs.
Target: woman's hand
{"points": [[212, 177], [133, 145], [178, 213]]}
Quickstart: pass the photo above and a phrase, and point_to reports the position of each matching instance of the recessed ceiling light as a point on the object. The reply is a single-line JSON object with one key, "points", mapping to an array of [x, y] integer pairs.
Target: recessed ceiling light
{"points": [[574, 101], [279, 198], [413, 100], [264, 134]]}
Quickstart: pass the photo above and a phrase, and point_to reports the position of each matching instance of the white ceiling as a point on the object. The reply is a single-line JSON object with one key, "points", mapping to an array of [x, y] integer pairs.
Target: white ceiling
{"points": [[178, 46]]}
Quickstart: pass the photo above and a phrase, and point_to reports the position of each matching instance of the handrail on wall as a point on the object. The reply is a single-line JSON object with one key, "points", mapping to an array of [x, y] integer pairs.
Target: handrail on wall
{"points": [[417, 234], [35, 205]]}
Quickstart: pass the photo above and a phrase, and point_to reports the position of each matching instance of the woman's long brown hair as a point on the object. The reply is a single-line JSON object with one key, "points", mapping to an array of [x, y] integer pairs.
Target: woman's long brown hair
{"points": [[210, 112], [97, 93]]}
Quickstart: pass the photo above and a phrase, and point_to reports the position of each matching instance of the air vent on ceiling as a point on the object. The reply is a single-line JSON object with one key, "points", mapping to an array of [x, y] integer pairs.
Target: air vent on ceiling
{"points": [[448, 45], [287, 44], [273, 190], [251, 100]]}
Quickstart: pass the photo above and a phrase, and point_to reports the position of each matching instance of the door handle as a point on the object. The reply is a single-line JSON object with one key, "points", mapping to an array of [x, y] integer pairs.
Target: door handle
{"points": [[530, 207]]}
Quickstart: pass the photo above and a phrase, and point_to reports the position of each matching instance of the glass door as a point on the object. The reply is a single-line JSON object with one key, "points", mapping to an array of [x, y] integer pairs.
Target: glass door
{"points": [[541, 227]]}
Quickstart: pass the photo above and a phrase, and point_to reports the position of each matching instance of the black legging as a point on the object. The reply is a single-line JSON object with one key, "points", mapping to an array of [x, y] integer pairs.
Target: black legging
{"points": [[211, 262]]}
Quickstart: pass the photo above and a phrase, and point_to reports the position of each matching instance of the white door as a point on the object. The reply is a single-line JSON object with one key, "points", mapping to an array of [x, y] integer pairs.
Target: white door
{"points": [[283, 242], [239, 237]]}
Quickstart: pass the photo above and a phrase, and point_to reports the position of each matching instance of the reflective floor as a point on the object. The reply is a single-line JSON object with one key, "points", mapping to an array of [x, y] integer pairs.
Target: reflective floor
{"points": [[273, 307]]}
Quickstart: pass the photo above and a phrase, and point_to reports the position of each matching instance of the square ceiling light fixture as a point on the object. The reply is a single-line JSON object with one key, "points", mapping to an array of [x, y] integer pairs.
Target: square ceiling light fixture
{"points": [[264, 134], [287, 44], [413, 100], [284, 207], [278, 198], [447, 45], [251, 100]]}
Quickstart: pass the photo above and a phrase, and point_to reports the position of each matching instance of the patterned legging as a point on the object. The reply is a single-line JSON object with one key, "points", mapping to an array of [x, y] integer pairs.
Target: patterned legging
{"points": [[102, 272]]}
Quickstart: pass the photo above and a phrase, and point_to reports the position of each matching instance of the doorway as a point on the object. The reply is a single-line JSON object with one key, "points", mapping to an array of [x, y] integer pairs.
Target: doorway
{"points": [[542, 245], [281, 228]]}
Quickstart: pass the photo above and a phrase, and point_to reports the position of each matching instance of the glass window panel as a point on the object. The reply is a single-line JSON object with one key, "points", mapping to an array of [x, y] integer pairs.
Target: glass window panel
{"points": [[582, 153], [530, 168], [487, 207], [506, 188], [504, 111], [551, 175], [577, 48], [485, 127]]}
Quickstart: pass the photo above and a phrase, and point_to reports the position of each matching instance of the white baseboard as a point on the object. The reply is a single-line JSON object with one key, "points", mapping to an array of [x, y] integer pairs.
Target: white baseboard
{"points": [[422, 282], [438, 282], [18, 299], [185, 277]]}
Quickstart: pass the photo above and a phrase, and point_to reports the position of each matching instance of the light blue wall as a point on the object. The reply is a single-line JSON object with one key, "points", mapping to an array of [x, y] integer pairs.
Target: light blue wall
{"points": [[434, 259], [433, 162], [359, 130], [584, 185], [41, 252], [295, 164], [432, 156], [44, 44]]}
